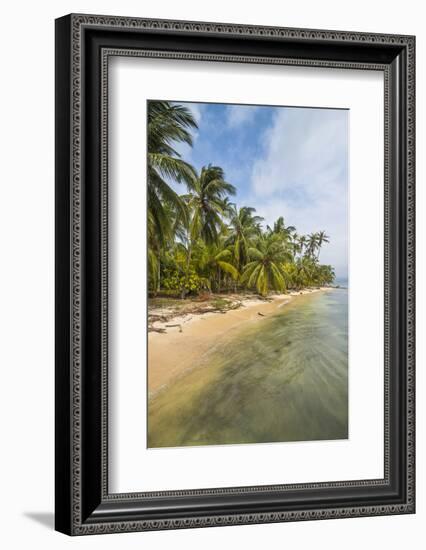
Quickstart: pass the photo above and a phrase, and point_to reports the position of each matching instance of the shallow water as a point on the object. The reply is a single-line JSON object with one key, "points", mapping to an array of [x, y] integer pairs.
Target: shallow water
{"points": [[285, 378]]}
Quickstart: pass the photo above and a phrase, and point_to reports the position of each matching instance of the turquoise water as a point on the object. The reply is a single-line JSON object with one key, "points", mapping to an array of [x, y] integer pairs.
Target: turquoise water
{"points": [[282, 379]]}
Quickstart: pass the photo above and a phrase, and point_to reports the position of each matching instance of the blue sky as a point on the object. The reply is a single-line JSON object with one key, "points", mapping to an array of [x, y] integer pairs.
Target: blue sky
{"points": [[284, 161]]}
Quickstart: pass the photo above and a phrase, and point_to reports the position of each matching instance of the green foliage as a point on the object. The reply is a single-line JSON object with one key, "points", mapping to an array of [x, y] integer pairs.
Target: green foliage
{"points": [[306, 271], [184, 283], [206, 203], [214, 262], [244, 227], [167, 124], [202, 241], [264, 272]]}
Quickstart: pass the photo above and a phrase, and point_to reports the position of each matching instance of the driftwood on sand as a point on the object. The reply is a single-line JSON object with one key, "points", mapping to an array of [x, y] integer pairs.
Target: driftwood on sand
{"points": [[196, 309], [155, 329], [177, 325]]}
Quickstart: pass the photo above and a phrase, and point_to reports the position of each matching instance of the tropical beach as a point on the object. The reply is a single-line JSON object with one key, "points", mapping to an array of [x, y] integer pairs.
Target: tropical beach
{"points": [[247, 327], [253, 379], [178, 340]]}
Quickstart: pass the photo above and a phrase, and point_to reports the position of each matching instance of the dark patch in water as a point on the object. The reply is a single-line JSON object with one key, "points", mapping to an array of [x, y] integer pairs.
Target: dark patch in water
{"points": [[285, 379]]}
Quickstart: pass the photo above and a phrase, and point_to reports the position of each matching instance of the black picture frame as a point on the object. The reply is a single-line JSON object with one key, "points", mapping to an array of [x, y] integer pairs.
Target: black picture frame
{"points": [[83, 504]]}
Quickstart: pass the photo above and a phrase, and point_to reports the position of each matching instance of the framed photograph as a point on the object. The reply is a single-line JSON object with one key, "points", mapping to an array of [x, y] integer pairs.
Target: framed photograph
{"points": [[234, 274]]}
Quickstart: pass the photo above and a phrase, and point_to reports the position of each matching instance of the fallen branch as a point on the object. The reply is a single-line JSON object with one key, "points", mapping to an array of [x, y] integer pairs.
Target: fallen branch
{"points": [[155, 329], [153, 317]]}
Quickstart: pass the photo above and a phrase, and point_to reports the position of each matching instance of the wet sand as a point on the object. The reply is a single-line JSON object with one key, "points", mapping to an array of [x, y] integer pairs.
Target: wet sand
{"points": [[274, 378], [180, 349]]}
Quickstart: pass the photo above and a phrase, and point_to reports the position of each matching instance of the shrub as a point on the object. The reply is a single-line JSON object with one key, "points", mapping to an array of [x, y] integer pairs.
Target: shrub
{"points": [[184, 283]]}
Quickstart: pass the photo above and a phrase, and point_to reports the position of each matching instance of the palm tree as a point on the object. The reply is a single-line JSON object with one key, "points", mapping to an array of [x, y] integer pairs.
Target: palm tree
{"points": [[162, 249], [168, 124], [154, 252], [265, 270], [207, 203], [306, 267], [301, 244], [213, 261], [228, 207], [322, 238], [311, 244], [243, 227], [286, 234], [326, 274], [280, 228]]}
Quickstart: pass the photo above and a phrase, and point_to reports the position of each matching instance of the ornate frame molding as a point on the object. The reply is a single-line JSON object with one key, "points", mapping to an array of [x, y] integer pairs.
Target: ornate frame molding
{"points": [[74, 28]]}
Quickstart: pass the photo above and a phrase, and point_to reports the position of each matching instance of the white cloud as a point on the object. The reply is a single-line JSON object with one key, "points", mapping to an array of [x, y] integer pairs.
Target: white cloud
{"points": [[303, 176], [240, 114]]}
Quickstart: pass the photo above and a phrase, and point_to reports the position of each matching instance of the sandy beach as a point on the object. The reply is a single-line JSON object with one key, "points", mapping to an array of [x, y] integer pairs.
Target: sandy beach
{"points": [[180, 347]]}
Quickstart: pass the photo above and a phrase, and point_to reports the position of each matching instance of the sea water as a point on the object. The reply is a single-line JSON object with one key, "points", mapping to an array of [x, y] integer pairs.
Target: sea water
{"points": [[283, 378]]}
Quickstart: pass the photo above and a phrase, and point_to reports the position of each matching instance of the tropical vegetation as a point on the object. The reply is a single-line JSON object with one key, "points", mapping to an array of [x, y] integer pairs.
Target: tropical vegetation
{"points": [[201, 240]]}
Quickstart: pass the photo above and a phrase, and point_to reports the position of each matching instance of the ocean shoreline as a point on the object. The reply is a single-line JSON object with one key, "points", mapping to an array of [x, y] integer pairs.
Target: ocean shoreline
{"points": [[177, 342]]}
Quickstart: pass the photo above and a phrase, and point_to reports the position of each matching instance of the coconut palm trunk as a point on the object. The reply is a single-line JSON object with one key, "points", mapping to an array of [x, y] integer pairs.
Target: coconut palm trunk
{"points": [[159, 275]]}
